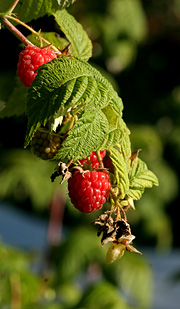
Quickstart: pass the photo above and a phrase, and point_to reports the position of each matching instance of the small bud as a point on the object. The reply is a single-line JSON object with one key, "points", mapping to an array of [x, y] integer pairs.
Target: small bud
{"points": [[115, 252]]}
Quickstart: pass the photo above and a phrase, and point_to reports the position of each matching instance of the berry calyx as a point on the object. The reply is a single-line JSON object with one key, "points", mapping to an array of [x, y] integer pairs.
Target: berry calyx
{"points": [[45, 146], [30, 59], [88, 191], [94, 159]]}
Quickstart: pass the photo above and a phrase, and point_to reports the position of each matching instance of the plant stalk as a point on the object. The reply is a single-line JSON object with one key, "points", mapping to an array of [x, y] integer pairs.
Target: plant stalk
{"points": [[99, 159], [11, 9], [33, 31], [15, 31]]}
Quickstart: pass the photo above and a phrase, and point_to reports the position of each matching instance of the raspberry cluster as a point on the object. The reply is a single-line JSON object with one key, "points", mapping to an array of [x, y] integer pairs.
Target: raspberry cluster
{"points": [[45, 146], [94, 159], [29, 60], [88, 191]]}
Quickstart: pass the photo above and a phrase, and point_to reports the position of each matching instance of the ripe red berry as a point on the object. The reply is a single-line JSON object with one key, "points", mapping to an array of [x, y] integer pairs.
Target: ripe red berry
{"points": [[94, 159], [30, 59], [44, 146], [88, 191]]}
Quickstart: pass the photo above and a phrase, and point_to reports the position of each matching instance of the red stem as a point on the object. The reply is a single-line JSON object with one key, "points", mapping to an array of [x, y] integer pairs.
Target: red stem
{"points": [[16, 32]]}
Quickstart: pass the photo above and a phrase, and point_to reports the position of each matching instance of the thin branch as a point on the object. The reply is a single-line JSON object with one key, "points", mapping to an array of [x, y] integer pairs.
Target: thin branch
{"points": [[33, 31], [15, 31]]}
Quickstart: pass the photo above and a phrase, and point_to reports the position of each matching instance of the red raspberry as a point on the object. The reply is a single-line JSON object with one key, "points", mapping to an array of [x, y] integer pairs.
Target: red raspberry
{"points": [[45, 147], [88, 191], [94, 159], [29, 60]]}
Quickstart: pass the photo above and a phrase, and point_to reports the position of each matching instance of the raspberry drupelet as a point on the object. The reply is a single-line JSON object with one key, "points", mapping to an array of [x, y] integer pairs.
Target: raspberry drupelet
{"points": [[88, 191], [94, 159], [30, 59]]}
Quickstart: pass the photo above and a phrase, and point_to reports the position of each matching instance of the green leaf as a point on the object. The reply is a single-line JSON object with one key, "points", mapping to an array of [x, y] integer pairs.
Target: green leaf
{"points": [[2, 106], [15, 105], [128, 19], [27, 10], [52, 37], [111, 116], [79, 249], [139, 179], [114, 135], [16, 272], [125, 144], [74, 32], [121, 171], [24, 176], [5, 5], [102, 295], [130, 273], [87, 135], [63, 85]]}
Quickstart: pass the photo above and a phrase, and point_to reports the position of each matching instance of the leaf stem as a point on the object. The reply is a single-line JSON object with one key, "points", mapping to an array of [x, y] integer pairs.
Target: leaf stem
{"points": [[12, 6], [118, 214], [15, 31], [117, 206], [90, 165], [124, 213], [99, 159], [113, 194], [33, 31]]}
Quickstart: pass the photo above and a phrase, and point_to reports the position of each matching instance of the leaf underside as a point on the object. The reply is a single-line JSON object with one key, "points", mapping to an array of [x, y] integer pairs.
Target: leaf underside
{"points": [[80, 43], [140, 177], [121, 171]]}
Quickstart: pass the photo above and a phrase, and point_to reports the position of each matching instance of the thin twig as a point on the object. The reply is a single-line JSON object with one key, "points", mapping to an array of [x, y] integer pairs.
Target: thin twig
{"points": [[124, 213]]}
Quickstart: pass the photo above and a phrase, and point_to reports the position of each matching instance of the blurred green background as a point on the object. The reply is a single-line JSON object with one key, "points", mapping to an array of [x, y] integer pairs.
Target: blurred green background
{"points": [[136, 45]]}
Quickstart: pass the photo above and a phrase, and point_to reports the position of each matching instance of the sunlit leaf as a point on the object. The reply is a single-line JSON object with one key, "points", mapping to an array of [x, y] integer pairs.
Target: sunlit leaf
{"points": [[121, 171], [140, 178], [86, 136], [74, 32], [63, 85]]}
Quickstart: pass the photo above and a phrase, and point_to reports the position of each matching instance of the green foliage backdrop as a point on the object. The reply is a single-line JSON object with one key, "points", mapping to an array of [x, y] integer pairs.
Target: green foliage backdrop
{"points": [[136, 44]]}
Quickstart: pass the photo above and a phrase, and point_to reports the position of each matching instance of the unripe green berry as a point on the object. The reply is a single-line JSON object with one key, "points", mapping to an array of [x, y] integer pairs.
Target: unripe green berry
{"points": [[45, 145]]}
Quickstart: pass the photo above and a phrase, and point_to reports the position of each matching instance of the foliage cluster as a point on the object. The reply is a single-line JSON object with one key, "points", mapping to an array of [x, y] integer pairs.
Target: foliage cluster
{"points": [[119, 33]]}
